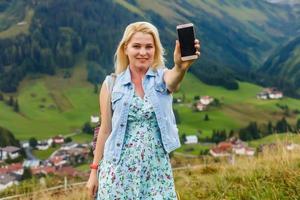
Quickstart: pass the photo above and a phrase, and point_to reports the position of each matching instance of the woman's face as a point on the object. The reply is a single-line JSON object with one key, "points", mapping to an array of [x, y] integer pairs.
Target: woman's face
{"points": [[140, 50]]}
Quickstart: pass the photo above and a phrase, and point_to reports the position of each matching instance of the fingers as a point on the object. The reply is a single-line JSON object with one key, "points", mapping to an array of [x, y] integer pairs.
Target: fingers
{"points": [[92, 191], [177, 47], [95, 189], [197, 46]]}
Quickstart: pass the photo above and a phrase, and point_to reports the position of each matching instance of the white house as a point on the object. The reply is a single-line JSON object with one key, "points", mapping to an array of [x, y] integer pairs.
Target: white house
{"points": [[200, 106], [58, 139], [206, 100], [22, 23], [270, 93], [94, 119], [276, 95], [191, 139], [24, 144], [262, 95], [69, 145], [9, 151], [42, 145], [243, 151]]}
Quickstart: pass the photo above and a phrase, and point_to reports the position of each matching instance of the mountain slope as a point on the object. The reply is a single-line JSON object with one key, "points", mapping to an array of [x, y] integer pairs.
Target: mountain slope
{"points": [[236, 36], [284, 63]]}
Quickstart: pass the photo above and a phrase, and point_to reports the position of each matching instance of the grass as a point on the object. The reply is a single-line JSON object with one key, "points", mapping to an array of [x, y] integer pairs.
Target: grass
{"points": [[274, 175], [44, 154], [52, 105], [16, 29], [275, 138], [269, 176]]}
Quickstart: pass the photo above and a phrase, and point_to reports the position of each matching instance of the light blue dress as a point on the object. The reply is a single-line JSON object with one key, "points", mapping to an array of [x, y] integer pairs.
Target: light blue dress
{"points": [[144, 171]]}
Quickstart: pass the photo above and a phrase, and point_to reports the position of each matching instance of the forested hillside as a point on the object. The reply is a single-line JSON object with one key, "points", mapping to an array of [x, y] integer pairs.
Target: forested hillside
{"points": [[44, 35], [284, 64]]}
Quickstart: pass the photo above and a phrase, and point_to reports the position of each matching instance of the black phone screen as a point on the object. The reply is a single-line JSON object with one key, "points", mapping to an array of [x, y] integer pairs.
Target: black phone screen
{"points": [[187, 41]]}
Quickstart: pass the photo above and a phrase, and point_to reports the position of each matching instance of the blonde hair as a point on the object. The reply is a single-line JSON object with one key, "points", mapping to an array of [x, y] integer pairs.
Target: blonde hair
{"points": [[121, 60]]}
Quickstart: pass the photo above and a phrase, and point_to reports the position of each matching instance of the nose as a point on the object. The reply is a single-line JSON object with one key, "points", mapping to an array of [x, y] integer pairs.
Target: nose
{"points": [[143, 51]]}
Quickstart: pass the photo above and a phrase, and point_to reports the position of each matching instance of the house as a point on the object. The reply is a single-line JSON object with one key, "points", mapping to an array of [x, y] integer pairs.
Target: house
{"points": [[191, 139], [232, 146], [200, 106], [69, 145], [43, 170], [262, 95], [58, 161], [58, 139], [243, 151], [31, 163], [15, 168], [94, 119], [22, 23], [24, 144], [7, 180], [67, 171], [270, 93], [42, 145], [221, 150], [206, 100], [9, 152]]}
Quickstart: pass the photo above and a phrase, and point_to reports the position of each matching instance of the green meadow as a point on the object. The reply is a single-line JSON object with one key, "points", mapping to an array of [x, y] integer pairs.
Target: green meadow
{"points": [[52, 105]]}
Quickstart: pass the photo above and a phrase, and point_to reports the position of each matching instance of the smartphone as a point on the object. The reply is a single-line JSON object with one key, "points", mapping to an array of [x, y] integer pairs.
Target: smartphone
{"points": [[186, 37]]}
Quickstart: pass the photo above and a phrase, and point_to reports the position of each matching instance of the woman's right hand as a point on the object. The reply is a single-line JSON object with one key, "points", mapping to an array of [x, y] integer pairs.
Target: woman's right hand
{"points": [[92, 184]]}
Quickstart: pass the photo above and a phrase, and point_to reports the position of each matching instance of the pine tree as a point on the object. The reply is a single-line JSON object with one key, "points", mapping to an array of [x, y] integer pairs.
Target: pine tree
{"points": [[270, 128], [10, 101], [16, 106], [298, 126], [206, 118]]}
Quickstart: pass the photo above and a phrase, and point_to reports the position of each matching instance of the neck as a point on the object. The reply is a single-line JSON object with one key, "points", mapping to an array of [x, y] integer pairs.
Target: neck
{"points": [[137, 74]]}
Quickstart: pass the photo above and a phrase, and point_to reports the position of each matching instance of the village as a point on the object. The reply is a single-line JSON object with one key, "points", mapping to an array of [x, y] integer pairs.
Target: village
{"points": [[62, 161]]}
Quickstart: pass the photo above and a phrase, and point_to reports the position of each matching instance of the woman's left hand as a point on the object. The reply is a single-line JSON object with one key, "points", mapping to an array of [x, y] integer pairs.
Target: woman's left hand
{"points": [[184, 65]]}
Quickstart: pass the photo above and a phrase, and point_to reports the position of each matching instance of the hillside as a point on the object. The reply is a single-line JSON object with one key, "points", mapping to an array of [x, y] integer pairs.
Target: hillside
{"points": [[236, 36], [284, 63], [52, 105], [272, 175]]}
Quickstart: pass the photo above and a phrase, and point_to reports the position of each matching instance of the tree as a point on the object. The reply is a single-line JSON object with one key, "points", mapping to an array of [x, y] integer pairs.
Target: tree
{"points": [[87, 128], [95, 88], [282, 126], [68, 139], [183, 138], [298, 126], [206, 118], [33, 142], [16, 106], [26, 174], [270, 128], [10, 101], [1, 97]]}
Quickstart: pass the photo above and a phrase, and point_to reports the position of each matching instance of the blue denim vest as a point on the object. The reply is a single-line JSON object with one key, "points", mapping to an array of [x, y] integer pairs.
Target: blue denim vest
{"points": [[121, 98]]}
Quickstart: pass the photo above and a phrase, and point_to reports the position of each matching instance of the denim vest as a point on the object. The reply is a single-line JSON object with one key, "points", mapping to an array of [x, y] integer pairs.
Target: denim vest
{"points": [[161, 100]]}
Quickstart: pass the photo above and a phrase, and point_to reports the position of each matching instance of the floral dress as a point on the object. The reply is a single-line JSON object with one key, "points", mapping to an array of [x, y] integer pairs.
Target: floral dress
{"points": [[144, 170]]}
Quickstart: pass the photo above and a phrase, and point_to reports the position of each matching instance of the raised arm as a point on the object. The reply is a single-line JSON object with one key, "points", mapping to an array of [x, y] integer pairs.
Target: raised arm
{"points": [[174, 76]]}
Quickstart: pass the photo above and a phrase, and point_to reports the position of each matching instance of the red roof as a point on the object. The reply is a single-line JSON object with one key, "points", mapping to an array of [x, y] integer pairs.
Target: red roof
{"points": [[43, 170], [11, 168], [67, 171]]}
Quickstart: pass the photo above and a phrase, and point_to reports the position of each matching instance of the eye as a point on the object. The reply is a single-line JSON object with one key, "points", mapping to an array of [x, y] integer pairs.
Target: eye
{"points": [[149, 47], [136, 46]]}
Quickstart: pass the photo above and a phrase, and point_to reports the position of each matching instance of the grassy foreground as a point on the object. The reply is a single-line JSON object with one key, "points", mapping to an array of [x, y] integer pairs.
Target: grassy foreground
{"points": [[272, 175]]}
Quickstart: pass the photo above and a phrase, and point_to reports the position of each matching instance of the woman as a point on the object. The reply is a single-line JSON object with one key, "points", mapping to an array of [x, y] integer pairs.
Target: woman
{"points": [[134, 155]]}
